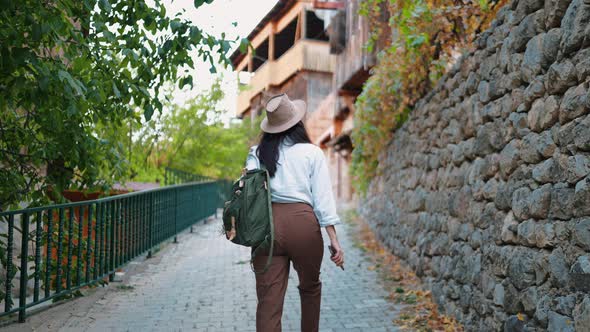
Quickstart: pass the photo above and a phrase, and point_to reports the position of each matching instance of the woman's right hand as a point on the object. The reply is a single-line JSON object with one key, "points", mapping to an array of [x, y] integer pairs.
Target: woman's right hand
{"points": [[338, 257]]}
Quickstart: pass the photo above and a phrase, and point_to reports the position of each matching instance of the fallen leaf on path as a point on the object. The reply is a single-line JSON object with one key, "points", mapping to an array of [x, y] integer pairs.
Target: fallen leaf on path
{"points": [[419, 313]]}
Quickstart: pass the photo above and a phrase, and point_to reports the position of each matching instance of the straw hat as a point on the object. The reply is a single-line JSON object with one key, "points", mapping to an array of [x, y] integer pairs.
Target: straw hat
{"points": [[282, 113]]}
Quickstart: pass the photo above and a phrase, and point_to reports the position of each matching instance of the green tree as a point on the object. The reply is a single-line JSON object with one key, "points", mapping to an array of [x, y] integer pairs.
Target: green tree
{"points": [[74, 76], [195, 139]]}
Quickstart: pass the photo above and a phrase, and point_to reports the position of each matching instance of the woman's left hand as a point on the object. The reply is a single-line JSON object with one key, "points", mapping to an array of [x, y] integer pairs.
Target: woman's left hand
{"points": [[338, 257]]}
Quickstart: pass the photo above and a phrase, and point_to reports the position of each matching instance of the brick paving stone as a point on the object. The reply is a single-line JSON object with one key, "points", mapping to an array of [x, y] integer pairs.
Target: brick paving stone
{"points": [[204, 283]]}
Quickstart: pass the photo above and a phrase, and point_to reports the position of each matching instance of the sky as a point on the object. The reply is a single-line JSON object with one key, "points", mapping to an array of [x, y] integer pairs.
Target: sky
{"points": [[214, 19]]}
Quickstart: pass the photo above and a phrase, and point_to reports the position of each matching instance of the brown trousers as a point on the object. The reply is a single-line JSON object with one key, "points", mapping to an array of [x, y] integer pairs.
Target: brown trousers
{"points": [[298, 238]]}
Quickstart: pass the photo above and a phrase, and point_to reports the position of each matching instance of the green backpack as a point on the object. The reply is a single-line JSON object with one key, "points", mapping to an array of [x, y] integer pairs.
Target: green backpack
{"points": [[247, 216]]}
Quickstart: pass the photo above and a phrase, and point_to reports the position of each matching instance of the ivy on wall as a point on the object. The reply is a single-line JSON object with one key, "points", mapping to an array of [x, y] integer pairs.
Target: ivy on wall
{"points": [[422, 39]]}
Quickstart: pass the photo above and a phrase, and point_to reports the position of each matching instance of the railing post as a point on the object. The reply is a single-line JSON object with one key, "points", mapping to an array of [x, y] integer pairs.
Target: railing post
{"points": [[151, 225], [112, 246], [175, 214], [9, 263], [22, 300]]}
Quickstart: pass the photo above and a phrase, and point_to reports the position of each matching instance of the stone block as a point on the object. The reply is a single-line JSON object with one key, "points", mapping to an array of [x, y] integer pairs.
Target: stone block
{"points": [[490, 138], [581, 133], [582, 314], [509, 229], [549, 171], [526, 233], [560, 323], [565, 304], [544, 113], [483, 90], [499, 295], [535, 90], [521, 269], [459, 202], [472, 83], [528, 150], [546, 146], [559, 269], [542, 310], [518, 125], [512, 303], [521, 176], [490, 189], [456, 154], [545, 235], [560, 77], [582, 62], [525, 7], [530, 297], [565, 135], [540, 202], [578, 167], [532, 63], [492, 110], [574, 25], [573, 104], [562, 201], [509, 158], [515, 323], [530, 26], [581, 233], [554, 12], [582, 198], [503, 198], [520, 203]]}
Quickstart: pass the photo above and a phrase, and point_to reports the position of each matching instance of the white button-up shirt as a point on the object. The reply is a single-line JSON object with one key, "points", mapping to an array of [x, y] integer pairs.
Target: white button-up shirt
{"points": [[302, 176]]}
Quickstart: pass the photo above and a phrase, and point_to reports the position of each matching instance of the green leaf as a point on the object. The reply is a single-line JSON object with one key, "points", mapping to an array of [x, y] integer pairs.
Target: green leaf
{"points": [[148, 112], [188, 80], [72, 109], [175, 24], [65, 76], [105, 6], [244, 42], [195, 35], [116, 90]]}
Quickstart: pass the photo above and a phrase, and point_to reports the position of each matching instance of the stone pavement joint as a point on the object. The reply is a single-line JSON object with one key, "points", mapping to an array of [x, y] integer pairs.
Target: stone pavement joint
{"points": [[204, 283]]}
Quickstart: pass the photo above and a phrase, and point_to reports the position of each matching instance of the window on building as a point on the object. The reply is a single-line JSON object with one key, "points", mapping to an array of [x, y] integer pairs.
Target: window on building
{"points": [[315, 27], [260, 55], [285, 39]]}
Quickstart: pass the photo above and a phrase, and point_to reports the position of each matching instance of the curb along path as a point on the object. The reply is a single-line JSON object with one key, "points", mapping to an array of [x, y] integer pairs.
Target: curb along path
{"points": [[204, 283]]}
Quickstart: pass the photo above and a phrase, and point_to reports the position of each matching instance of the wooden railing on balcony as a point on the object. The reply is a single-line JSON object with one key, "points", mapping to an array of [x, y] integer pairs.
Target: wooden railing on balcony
{"points": [[306, 54]]}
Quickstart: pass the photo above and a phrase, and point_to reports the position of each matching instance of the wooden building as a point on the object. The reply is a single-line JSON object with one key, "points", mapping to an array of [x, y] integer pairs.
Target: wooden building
{"points": [[315, 51], [348, 34], [291, 53]]}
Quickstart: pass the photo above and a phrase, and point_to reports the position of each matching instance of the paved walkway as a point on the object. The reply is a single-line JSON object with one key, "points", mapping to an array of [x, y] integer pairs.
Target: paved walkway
{"points": [[204, 283]]}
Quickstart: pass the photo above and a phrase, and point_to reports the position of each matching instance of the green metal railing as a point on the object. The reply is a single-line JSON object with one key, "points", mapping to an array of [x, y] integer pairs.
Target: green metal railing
{"points": [[176, 176], [68, 246]]}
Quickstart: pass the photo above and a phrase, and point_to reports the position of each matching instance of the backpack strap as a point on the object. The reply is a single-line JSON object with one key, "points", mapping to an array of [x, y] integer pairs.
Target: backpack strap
{"points": [[267, 242]]}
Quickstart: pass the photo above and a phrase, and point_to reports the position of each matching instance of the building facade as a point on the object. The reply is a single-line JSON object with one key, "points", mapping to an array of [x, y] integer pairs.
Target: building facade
{"points": [[290, 53], [315, 51], [349, 34]]}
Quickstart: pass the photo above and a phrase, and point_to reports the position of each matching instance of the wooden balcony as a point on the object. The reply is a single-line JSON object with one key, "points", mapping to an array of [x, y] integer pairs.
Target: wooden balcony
{"points": [[306, 54]]}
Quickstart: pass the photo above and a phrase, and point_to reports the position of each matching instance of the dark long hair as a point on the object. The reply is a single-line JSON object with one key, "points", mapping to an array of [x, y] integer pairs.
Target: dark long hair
{"points": [[268, 148]]}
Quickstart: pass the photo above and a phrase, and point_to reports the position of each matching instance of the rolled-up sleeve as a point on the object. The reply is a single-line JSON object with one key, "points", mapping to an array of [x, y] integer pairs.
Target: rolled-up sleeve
{"points": [[321, 190], [252, 159]]}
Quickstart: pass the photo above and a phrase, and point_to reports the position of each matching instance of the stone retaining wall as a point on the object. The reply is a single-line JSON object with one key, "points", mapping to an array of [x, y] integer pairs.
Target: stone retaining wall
{"points": [[485, 191]]}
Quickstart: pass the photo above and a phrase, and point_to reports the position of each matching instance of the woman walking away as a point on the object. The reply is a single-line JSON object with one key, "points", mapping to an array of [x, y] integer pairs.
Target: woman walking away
{"points": [[302, 202]]}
